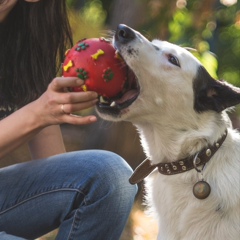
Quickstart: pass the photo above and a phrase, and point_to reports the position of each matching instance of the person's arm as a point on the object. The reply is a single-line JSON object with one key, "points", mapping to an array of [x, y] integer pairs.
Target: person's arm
{"points": [[17, 129], [47, 143], [21, 126]]}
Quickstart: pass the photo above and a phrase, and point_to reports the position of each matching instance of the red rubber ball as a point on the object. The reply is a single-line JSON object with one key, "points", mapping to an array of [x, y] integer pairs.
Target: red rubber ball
{"points": [[95, 62]]}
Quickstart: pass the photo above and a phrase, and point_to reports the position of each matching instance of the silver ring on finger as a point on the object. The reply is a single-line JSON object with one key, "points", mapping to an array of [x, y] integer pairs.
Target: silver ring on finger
{"points": [[62, 109]]}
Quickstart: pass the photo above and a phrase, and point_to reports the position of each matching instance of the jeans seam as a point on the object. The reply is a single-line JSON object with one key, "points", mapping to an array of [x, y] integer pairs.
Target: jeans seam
{"points": [[38, 195], [73, 225]]}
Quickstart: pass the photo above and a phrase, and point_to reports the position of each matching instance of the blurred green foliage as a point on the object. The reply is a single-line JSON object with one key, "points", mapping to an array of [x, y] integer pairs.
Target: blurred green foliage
{"points": [[87, 20], [212, 27]]}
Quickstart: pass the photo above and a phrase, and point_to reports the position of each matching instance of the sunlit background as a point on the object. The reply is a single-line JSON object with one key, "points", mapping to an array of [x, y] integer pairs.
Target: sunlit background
{"points": [[212, 27]]}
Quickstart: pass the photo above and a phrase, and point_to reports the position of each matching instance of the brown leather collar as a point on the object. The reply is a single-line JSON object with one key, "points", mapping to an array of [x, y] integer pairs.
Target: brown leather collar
{"points": [[180, 166]]}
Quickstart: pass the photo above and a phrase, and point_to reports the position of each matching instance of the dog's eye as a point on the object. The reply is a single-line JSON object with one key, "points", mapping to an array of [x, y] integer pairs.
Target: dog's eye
{"points": [[172, 59], [157, 48]]}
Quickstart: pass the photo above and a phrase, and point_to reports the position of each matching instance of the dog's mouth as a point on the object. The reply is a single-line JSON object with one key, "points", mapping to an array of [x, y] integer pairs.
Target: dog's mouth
{"points": [[129, 94]]}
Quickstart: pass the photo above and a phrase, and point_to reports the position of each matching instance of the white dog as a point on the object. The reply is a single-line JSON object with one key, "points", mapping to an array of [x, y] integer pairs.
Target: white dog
{"points": [[178, 109]]}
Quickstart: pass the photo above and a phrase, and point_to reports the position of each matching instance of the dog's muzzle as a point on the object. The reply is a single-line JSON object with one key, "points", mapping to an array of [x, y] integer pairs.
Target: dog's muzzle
{"points": [[131, 90]]}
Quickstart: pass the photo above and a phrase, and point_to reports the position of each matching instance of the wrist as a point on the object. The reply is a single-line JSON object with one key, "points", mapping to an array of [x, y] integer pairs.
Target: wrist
{"points": [[34, 116]]}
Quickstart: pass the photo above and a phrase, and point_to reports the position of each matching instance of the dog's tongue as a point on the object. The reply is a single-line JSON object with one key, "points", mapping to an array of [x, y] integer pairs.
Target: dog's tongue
{"points": [[127, 96], [131, 91]]}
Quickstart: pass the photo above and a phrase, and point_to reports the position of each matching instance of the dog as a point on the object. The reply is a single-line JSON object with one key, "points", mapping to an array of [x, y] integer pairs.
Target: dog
{"points": [[193, 152]]}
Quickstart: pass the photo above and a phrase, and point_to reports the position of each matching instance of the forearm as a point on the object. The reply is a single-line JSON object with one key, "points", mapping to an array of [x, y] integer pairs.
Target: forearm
{"points": [[21, 126], [46, 143], [17, 129]]}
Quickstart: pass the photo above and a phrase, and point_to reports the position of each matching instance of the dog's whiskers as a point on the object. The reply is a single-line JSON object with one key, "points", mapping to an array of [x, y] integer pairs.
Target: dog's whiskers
{"points": [[108, 34], [147, 35]]}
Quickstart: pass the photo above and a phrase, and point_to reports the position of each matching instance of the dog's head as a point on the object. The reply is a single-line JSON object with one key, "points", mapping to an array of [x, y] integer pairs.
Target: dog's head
{"points": [[163, 78]]}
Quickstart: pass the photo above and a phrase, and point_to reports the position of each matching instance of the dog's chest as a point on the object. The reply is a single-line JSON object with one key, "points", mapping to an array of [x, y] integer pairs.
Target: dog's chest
{"points": [[169, 201], [181, 215], [170, 195]]}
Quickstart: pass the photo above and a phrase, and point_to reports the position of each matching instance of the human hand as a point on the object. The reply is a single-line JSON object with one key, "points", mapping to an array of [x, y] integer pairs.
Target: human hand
{"points": [[56, 104]]}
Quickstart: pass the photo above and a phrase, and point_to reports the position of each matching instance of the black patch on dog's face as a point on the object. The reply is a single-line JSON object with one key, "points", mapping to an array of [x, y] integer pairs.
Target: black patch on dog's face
{"points": [[211, 94]]}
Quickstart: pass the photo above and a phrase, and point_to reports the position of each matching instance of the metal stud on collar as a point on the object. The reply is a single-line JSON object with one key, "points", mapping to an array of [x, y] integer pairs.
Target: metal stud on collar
{"points": [[208, 152]]}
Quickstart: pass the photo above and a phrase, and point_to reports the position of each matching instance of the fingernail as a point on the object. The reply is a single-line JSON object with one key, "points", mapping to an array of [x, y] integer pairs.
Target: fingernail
{"points": [[93, 119], [79, 82], [95, 96]]}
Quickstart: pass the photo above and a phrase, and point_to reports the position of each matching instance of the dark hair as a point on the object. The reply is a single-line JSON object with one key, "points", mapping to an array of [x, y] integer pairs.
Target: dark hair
{"points": [[33, 40]]}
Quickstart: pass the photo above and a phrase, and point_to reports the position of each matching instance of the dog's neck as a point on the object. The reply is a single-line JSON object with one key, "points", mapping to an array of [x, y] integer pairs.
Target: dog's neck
{"points": [[163, 142]]}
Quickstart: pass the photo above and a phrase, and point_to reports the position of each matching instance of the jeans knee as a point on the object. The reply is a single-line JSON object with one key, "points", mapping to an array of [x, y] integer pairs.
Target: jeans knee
{"points": [[115, 176], [110, 177]]}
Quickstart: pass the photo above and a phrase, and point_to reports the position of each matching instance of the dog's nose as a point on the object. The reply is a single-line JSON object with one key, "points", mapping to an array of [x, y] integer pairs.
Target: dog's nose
{"points": [[124, 34]]}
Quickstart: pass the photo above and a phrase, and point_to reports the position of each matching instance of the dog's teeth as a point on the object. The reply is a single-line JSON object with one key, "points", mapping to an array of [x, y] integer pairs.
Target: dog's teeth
{"points": [[113, 104], [102, 100], [117, 55]]}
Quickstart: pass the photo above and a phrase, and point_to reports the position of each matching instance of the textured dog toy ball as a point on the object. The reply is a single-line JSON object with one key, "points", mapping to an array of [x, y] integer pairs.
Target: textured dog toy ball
{"points": [[96, 62]]}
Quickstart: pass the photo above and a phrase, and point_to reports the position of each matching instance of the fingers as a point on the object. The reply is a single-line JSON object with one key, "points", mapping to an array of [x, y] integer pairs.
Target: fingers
{"points": [[78, 97], [58, 105], [79, 120], [69, 108], [73, 101], [58, 88], [60, 83]]}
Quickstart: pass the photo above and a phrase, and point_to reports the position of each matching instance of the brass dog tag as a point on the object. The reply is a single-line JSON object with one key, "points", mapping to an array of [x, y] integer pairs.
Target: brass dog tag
{"points": [[201, 190]]}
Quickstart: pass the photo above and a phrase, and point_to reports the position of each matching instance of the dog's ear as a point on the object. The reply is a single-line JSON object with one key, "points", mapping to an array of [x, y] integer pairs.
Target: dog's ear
{"points": [[211, 94]]}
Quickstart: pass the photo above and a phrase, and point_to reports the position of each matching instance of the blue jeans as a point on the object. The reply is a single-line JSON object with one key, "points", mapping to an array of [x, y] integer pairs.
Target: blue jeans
{"points": [[85, 194]]}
